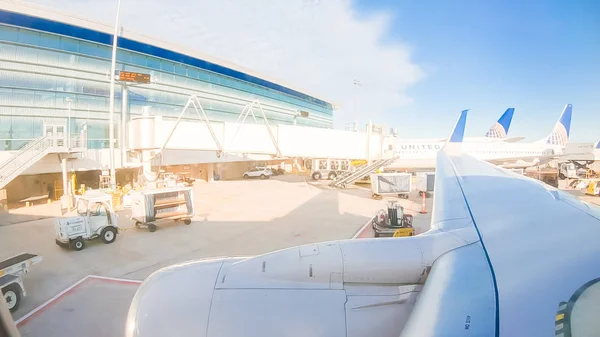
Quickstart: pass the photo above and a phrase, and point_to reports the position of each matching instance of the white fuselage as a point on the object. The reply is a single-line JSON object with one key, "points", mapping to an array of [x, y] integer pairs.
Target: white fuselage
{"points": [[422, 155], [581, 152], [465, 140]]}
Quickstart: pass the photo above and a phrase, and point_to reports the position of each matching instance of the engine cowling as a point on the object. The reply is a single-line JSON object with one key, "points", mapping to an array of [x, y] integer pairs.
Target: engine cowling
{"points": [[340, 288]]}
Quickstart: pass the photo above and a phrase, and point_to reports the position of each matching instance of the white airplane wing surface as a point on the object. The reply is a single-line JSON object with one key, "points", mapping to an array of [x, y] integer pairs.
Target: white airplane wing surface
{"points": [[534, 270]]}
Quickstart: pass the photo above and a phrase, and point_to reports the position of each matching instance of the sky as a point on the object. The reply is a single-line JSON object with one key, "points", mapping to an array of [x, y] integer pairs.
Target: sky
{"points": [[535, 56], [418, 63]]}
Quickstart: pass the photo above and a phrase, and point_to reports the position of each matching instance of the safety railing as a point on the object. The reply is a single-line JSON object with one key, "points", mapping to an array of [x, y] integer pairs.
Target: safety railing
{"points": [[27, 156], [360, 172], [35, 150]]}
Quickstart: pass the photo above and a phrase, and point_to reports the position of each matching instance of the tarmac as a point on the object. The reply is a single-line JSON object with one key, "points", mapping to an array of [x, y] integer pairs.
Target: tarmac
{"points": [[90, 290], [93, 306]]}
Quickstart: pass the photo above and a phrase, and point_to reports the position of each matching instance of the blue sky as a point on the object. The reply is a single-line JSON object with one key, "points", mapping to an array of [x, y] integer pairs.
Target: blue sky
{"points": [[535, 56], [419, 62]]}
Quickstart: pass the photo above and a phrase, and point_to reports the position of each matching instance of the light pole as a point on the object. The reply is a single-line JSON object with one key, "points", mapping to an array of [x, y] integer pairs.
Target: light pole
{"points": [[111, 109], [69, 101], [355, 84]]}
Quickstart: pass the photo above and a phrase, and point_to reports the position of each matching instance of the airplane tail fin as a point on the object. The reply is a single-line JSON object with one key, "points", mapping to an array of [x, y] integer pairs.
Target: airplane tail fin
{"points": [[598, 145], [562, 129], [454, 141], [500, 128]]}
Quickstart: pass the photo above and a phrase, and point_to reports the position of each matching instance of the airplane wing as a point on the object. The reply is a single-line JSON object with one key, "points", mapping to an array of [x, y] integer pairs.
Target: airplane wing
{"points": [[534, 269]]}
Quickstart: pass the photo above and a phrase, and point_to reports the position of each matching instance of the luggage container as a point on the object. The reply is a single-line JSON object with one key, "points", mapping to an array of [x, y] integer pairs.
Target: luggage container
{"points": [[425, 183], [399, 184], [172, 203]]}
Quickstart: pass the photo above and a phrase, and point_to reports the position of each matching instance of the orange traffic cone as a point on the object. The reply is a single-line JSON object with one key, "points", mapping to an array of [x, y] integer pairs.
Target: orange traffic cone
{"points": [[423, 210]]}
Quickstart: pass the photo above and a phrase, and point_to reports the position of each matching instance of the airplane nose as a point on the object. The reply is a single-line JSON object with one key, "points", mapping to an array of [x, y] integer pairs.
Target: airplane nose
{"points": [[174, 301]]}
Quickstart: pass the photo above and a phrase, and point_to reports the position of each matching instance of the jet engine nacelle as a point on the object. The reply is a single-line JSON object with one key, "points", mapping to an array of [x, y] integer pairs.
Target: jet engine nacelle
{"points": [[338, 288]]}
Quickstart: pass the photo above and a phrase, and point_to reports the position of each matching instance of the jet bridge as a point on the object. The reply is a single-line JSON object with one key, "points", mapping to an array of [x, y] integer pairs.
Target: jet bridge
{"points": [[251, 134]]}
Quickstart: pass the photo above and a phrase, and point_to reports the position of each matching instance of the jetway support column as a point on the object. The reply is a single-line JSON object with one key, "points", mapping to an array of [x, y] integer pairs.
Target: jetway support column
{"points": [[63, 167], [65, 199], [147, 165], [210, 176]]}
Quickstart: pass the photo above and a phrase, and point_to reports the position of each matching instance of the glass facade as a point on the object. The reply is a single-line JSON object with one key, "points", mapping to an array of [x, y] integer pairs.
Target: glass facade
{"points": [[46, 76]]}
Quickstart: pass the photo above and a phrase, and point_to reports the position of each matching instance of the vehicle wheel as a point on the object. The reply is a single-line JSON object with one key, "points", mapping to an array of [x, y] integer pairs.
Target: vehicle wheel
{"points": [[262, 176], [246, 176], [187, 221], [78, 244], [332, 175], [316, 175], [109, 234], [376, 234], [152, 227], [12, 296]]}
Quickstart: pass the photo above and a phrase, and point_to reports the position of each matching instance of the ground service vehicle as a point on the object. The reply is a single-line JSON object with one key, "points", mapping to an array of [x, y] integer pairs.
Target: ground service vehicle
{"points": [[399, 184], [425, 183], [152, 205], [12, 271], [593, 188], [185, 179], [393, 222], [567, 170], [277, 171], [95, 218], [258, 172], [328, 168]]}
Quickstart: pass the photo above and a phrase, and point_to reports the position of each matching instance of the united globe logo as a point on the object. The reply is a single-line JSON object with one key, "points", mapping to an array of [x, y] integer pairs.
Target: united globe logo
{"points": [[558, 136], [496, 131]]}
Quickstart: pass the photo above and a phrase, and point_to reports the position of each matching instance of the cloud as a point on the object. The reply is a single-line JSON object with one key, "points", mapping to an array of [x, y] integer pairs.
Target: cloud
{"points": [[319, 47]]}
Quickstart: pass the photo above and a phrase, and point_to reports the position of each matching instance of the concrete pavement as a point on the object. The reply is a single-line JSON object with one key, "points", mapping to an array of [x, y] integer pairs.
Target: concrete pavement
{"points": [[232, 218]]}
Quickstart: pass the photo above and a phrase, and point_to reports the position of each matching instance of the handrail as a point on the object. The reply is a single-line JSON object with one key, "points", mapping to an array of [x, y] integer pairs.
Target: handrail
{"points": [[18, 163], [32, 152], [346, 174], [24, 149], [361, 172]]}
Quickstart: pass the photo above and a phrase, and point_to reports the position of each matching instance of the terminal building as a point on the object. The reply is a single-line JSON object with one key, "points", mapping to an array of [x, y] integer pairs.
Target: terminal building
{"points": [[55, 82]]}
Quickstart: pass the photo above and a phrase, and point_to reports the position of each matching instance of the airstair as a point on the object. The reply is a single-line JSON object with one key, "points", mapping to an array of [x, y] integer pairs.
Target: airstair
{"points": [[361, 171], [33, 152]]}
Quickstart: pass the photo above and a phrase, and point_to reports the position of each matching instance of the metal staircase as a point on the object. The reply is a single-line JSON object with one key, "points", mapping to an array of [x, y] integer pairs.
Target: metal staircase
{"points": [[346, 174], [361, 171], [31, 153]]}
